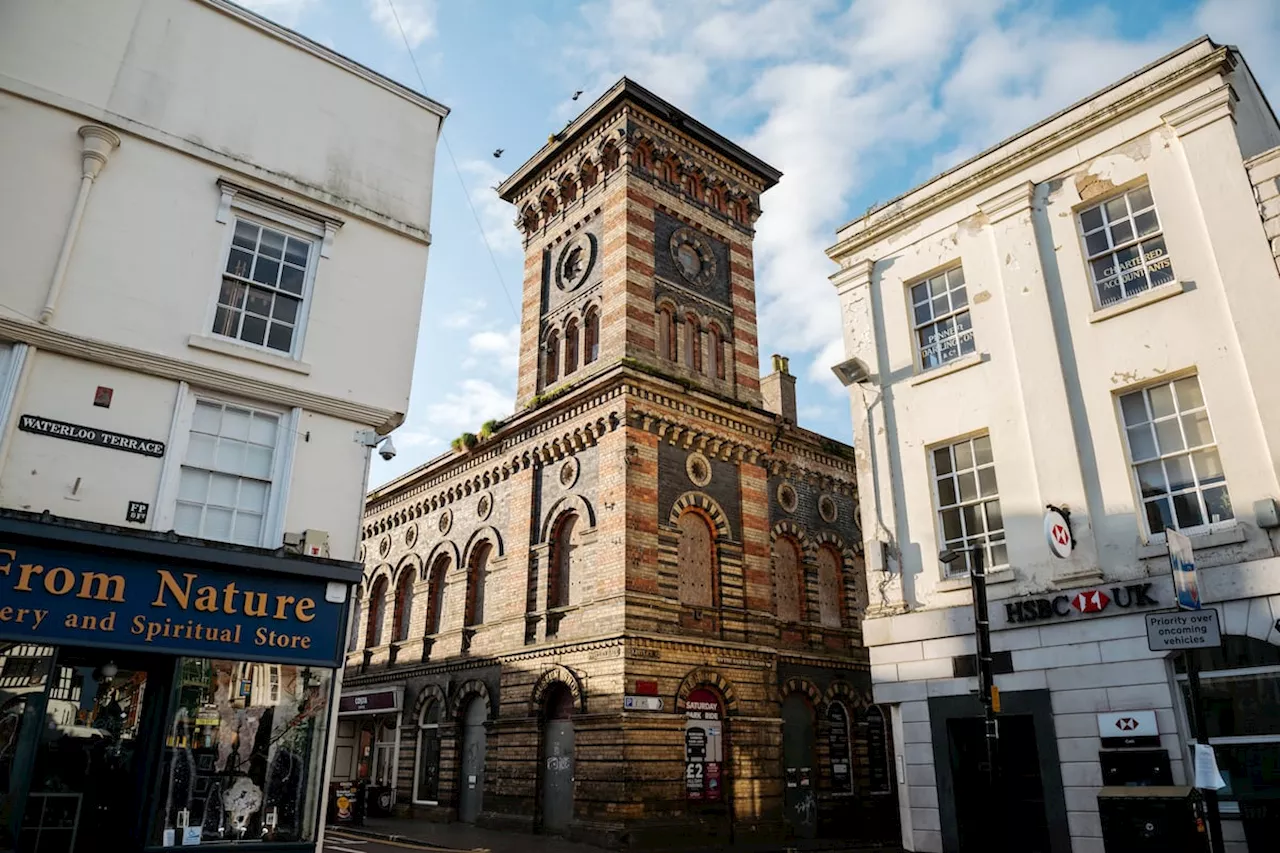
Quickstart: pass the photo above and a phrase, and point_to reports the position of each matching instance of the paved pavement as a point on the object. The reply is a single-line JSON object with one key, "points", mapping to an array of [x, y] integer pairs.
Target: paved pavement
{"points": [[395, 835]]}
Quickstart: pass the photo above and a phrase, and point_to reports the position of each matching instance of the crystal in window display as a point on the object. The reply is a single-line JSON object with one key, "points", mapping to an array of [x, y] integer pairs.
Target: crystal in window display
{"points": [[243, 753]]}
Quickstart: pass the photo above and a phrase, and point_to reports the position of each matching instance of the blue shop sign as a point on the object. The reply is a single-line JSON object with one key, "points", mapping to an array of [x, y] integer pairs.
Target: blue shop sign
{"points": [[59, 596]]}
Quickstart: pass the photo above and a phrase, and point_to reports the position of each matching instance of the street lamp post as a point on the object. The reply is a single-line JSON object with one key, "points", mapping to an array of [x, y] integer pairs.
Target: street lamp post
{"points": [[986, 683]]}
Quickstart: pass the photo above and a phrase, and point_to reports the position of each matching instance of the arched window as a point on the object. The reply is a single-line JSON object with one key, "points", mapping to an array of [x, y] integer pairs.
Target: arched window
{"points": [[403, 614], [830, 587], [588, 175], [667, 333], [435, 593], [476, 573], [551, 358], [839, 746], [788, 578], [356, 615], [549, 206], [568, 190], [427, 780], [715, 349], [610, 157], [564, 560], [696, 556], [591, 336], [377, 604], [692, 343], [570, 347], [1240, 694]]}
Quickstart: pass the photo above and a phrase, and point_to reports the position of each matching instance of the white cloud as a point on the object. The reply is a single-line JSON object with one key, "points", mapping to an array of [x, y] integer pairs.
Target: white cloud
{"points": [[284, 12], [497, 348], [465, 316], [417, 18], [468, 406], [838, 94], [496, 216]]}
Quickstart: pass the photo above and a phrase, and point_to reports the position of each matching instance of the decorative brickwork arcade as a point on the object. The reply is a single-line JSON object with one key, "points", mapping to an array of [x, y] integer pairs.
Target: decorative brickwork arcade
{"points": [[619, 596]]}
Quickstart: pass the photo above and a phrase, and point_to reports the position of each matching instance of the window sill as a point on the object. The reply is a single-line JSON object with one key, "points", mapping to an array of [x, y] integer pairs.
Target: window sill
{"points": [[1233, 535], [947, 369], [1147, 297], [248, 353], [993, 577]]}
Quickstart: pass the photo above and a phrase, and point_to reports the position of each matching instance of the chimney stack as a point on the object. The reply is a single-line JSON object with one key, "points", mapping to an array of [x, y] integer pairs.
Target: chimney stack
{"points": [[779, 389]]}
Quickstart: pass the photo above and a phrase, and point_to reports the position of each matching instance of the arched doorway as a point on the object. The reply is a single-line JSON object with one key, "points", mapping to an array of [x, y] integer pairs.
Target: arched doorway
{"points": [[557, 760], [800, 796], [471, 784], [704, 748]]}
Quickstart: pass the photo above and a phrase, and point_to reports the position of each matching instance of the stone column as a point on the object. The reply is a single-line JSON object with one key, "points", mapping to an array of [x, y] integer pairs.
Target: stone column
{"points": [[1041, 386], [877, 506]]}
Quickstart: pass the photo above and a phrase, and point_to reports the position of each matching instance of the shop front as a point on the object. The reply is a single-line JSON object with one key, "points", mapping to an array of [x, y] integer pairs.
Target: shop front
{"points": [[367, 745], [162, 693]]}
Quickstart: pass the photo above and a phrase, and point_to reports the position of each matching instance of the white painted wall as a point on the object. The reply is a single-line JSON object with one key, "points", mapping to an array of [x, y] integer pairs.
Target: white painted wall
{"points": [[1052, 366], [200, 93]]}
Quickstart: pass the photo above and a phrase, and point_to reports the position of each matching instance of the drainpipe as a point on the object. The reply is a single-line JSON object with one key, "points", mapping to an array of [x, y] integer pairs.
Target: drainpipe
{"points": [[99, 142]]}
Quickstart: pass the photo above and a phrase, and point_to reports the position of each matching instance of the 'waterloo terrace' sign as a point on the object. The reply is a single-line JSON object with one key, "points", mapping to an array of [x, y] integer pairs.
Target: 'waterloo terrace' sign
{"points": [[90, 435]]}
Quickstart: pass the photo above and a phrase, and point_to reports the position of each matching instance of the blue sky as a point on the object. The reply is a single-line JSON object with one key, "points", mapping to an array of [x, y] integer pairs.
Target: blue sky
{"points": [[854, 100]]}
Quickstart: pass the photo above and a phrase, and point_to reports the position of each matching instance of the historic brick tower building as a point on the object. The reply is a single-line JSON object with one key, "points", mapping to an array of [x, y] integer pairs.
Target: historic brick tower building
{"points": [[630, 613]]}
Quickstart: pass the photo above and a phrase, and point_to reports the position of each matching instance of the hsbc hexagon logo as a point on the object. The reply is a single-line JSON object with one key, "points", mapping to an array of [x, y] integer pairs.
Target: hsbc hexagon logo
{"points": [[1126, 724], [1091, 601]]}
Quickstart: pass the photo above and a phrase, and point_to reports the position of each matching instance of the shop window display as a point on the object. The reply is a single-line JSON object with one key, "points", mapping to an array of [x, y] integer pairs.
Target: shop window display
{"points": [[243, 753]]}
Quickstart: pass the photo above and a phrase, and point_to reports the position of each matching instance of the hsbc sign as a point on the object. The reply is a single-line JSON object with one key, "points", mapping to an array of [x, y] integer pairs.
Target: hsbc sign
{"points": [[1087, 602]]}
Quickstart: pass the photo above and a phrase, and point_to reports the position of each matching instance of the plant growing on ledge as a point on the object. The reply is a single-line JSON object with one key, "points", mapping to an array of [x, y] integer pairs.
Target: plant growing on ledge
{"points": [[468, 441], [487, 429]]}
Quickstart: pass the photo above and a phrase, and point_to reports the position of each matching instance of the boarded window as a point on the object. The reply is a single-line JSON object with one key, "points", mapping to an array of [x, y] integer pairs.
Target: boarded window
{"points": [[404, 604], [829, 587], [476, 582], [564, 562], [697, 560], [591, 337], [667, 333], [435, 599], [786, 578], [551, 359], [571, 347], [377, 603]]}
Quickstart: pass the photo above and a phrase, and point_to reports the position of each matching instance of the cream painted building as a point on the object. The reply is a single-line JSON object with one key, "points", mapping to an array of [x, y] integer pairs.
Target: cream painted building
{"points": [[205, 216], [1081, 317]]}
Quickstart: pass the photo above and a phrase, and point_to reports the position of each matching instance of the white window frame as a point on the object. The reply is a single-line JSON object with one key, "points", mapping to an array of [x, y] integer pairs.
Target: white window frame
{"points": [[1134, 240], [237, 203], [281, 467], [417, 753], [918, 350], [13, 365], [981, 501], [1136, 484]]}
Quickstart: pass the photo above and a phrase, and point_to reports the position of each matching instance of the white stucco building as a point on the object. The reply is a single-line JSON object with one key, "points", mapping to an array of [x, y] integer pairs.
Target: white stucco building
{"points": [[206, 217], [1083, 316]]}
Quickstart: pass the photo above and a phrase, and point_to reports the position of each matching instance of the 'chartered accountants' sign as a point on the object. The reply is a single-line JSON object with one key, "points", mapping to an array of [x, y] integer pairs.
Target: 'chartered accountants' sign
{"points": [[50, 595]]}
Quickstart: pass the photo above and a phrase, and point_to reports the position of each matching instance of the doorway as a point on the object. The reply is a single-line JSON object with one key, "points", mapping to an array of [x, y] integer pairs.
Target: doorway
{"points": [[558, 760], [1018, 787], [800, 797], [1031, 813], [471, 796], [90, 774]]}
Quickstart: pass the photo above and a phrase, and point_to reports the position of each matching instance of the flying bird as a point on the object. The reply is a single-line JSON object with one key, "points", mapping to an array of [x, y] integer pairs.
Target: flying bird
{"points": [[498, 152], [576, 94]]}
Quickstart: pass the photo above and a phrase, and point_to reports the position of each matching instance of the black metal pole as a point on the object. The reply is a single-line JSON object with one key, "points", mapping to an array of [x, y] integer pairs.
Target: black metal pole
{"points": [[982, 635], [1201, 733]]}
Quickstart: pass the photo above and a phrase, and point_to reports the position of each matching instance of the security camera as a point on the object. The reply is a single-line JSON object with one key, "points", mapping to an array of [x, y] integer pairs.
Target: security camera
{"points": [[387, 450], [853, 372]]}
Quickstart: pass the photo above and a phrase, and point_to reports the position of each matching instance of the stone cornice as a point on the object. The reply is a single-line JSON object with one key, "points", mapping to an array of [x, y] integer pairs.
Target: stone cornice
{"points": [[1204, 110], [1011, 202], [901, 213], [168, 367], [853, 276]]}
